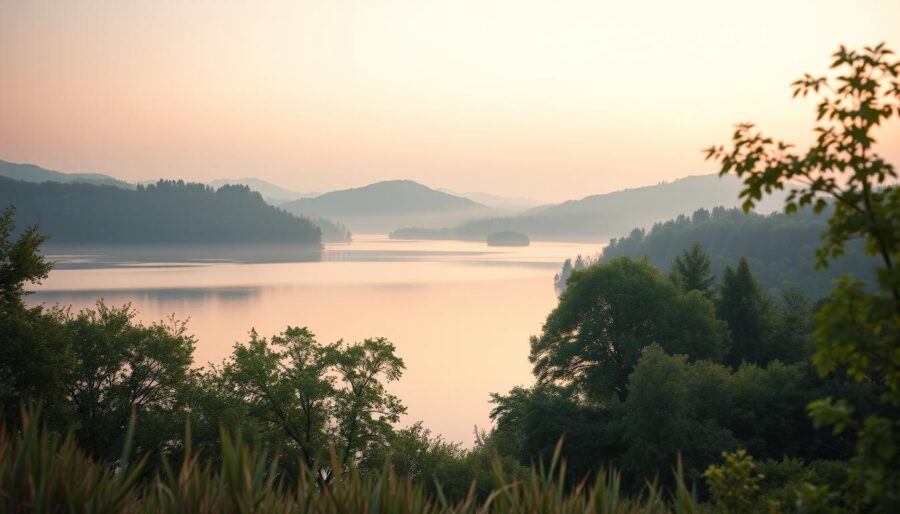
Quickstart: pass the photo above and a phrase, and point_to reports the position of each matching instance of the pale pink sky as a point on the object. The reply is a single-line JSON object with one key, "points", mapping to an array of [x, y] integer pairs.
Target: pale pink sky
{"points": [[551, 100]]}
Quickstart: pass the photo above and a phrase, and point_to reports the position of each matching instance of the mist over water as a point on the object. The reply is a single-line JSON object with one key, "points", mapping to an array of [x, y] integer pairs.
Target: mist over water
{"points": [[460, 313]]}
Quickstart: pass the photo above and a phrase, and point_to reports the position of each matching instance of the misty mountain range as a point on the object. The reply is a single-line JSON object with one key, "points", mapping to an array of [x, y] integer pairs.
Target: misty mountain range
{"points": [[32, 173], [427, 213], [275, 195], [596, 218], [500, 203], [377, 208], [383, 206]]}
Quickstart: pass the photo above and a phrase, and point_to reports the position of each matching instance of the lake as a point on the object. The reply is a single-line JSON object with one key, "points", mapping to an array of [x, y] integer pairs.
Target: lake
{"points": [[459, 313]]}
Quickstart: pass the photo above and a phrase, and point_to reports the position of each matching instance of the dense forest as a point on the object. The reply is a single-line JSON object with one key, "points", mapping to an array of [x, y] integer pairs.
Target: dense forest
{"points": [[780, 248], [163, 213], [693, 367]]}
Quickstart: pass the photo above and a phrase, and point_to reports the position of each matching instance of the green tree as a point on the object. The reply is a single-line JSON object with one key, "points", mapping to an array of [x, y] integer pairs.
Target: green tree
{"points": [[657, 412], [734, 484], [744, 306], [445, 468], [415, 453], [609, 312], [858, 329], [792, 336], [692, 270], [20, 261], [122, 366], [530, 422], [700, 409], [668, 413], [766, 411], [36, 353], [320, 396]]}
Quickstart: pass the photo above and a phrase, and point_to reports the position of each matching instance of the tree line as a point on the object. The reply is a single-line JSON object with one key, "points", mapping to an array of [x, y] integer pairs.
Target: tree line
{"points": [[168, 212], [779, 247]]}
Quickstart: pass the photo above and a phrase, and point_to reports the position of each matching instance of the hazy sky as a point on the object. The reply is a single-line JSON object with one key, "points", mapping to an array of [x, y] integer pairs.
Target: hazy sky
{"points": [[552, 99]]}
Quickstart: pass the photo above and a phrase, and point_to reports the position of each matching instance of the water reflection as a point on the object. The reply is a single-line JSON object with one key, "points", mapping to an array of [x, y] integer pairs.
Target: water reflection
{"points": [[128, 256], [243, 294]]}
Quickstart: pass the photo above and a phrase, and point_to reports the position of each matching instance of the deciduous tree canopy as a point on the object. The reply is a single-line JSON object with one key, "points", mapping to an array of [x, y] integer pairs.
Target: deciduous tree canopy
{"points": [[609, 312]]}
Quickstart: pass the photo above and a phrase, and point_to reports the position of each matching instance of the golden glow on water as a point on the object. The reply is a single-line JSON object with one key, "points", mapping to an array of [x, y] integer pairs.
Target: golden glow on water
{"points": [[460, 313]]}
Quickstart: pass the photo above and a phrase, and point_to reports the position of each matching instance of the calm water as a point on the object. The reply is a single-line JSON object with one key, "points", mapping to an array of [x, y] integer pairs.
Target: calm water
{"points": [[459, 313]]}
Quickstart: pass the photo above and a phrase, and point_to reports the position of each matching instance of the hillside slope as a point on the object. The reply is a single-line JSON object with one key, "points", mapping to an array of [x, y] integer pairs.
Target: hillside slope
{"points": [[36, 174], [779, 248], [272, 193], [384, 206], [599, 217], [332, 231]]}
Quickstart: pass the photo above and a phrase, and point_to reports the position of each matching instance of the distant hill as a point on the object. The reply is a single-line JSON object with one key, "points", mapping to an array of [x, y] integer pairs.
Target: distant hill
{"points": [[165, 213], [384, 206], [32, 173], [272, 193], [332, 231], [599, 217], [512, 204]]}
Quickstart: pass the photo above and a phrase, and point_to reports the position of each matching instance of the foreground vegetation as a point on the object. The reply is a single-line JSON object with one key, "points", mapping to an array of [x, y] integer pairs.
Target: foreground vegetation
{"points": [[41, 473], [758, 403]]}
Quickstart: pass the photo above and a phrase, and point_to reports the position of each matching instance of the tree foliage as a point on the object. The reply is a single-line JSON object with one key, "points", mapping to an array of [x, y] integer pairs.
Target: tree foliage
{"points": [[692, 271], [20, 261], [735, 483], [858, 329], [35, 354], [323, 397], [122, 367], [743, 305], [610, 311]]}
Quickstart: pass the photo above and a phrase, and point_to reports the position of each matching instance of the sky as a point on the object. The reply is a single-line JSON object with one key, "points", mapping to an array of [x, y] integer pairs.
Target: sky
{"points": [[550, 100]]}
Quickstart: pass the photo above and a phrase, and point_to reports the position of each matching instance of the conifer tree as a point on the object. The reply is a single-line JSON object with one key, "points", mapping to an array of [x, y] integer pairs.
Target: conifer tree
{"points": [[692, 271], [743, 306]]}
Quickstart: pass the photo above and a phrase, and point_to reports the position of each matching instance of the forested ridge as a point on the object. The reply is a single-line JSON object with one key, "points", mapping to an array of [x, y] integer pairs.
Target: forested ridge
{"points": [[168, 212], [780, 248]]}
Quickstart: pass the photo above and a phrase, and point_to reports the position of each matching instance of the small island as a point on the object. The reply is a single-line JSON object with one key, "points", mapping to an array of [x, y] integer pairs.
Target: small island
{"points": [[507, 238]]}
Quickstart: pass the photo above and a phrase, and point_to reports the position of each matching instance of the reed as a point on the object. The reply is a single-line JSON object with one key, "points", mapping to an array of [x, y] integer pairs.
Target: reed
{"points": [[43, 473]]}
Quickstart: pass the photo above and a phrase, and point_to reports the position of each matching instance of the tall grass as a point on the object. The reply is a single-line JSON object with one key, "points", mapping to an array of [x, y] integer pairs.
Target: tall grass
{"points": [[42, 473]]}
